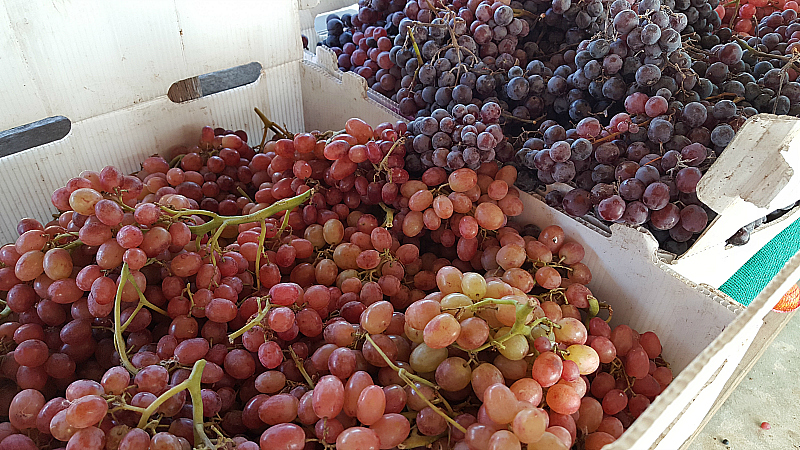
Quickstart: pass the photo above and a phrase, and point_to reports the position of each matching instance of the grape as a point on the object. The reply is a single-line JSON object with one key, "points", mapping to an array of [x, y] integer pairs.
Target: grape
{"points": [[648, 74], [694, 114], [25, 407], [656, 196], [441, 331], [328, 398], [687, 178], [86, 411], [693, 218], [665, 218], [547, 369], [611, 208], [722, 135], [563, 399], [392, 429], [283, 436]]}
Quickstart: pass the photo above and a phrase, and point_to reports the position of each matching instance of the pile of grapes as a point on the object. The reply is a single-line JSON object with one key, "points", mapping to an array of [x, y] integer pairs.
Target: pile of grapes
{"points": [[625, 102], [279, 297]]}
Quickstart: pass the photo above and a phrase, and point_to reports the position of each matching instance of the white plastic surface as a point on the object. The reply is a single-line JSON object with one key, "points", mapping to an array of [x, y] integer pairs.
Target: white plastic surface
{"points": [[126, 53], [700, 328]]}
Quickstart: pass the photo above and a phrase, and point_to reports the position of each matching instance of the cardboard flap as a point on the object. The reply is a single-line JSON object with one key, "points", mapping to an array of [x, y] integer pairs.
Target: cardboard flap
{"points": [[755, 175], [83, 58]]}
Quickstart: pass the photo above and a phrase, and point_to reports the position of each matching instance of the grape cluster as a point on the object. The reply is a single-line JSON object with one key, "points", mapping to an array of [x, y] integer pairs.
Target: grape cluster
{"points": [[258, 297], [606, 376], [448, 60], [642, 169], [654, 80], [703, 18], [362, 41], [741, 18], [467, 136]]}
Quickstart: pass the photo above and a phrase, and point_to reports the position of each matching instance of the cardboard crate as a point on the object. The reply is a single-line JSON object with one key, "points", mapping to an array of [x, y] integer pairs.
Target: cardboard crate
{"points": [[111, 76], [758, 173]]}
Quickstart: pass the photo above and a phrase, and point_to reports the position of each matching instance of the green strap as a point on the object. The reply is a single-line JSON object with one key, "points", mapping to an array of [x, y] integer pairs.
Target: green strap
{"points": [[744, 285]]}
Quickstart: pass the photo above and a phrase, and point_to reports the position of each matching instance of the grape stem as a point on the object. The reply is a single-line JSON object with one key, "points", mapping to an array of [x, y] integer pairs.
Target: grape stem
{"points": [[261, 238], [525, 13], [416, 440], [244, 194], [301, 368], [176, 160], [119, 341], [219, 223], [382, 166], [407, 378], [615, 135], [279, 131], [5, 313], [535, 121], [192, 384], [761, 54], [262, 313], [74, 244], [119, 327], [389, 220]]}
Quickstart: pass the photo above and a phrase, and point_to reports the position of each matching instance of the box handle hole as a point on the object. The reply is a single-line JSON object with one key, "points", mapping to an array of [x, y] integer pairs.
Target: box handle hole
{"points": [[33, 134], [213, 82]]}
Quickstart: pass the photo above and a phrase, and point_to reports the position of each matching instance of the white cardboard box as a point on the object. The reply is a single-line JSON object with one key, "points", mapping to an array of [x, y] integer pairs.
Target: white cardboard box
{"points": [[110, 76], [758, 173]]}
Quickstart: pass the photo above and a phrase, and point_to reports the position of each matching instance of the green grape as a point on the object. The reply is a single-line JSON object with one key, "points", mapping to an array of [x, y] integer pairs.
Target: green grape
{"points": [[452, 302], [424, 359], [473, 285]]}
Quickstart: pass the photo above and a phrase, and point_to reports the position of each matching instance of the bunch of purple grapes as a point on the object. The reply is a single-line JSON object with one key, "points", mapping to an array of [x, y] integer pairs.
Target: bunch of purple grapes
{"points": [[468, 136], [638, 171], [446, 61]]}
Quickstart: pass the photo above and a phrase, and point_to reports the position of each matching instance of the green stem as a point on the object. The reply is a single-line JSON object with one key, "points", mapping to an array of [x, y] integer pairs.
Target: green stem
{"points": [[244, 194], [119, 341], [5, 313], [218, 221], [255, 321], [413, 386], [519, 327], [130, 319], [301, 368], [761, 54], [397, 369], [261, 238], [277, 129], [176, 160], [389, 220], [192, 384], [74, 244], [406, 377], [492, 302]]}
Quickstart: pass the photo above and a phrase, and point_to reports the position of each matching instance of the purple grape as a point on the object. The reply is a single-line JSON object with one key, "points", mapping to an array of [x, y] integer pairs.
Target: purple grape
{"points": [[576, 202], [687, 178], [648, 174], [611, 208], [631, 189], [560, 152], [694, 218], [666, 217], [636, 213], [656, 196]]}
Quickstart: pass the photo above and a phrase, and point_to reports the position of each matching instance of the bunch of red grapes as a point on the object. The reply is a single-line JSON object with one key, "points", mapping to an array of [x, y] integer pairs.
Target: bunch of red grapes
{"points": [[744, 14], [277, 297]]}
